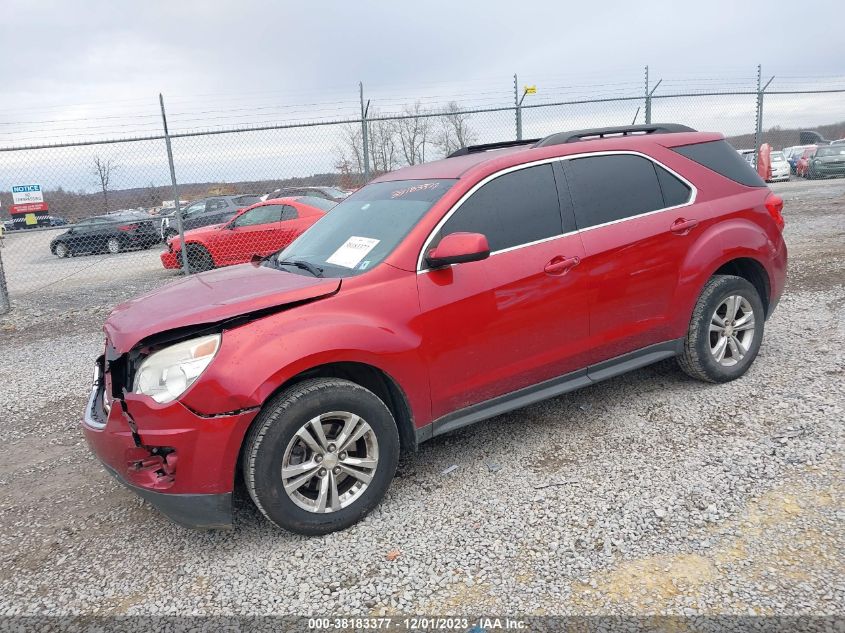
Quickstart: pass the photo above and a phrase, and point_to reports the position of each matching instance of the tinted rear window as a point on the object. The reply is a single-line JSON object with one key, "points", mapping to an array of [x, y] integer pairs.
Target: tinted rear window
{"points": [[675, 192], [723, 159], [610, 188]]}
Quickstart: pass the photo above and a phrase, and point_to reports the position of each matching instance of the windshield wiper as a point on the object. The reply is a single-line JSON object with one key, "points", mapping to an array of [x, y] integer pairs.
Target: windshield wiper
{"points": [[311, 268]]}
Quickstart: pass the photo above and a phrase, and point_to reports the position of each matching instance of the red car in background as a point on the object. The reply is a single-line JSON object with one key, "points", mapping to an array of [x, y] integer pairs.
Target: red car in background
{"points": [[261, 229]]}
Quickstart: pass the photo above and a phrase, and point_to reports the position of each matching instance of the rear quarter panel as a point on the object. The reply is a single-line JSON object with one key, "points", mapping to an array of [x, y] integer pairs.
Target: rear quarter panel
{"points": [[740, 227]]}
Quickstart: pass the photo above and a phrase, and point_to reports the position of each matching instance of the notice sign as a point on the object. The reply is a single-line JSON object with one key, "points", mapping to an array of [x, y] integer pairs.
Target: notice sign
{"points": [[352, 252], [27, 194]]}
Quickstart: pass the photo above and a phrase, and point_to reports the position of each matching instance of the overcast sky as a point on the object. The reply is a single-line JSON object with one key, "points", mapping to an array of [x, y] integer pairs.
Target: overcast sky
{"points": [[72, 70]]}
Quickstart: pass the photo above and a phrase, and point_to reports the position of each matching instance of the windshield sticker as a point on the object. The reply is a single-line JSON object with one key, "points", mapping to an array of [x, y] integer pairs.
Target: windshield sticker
{"points": [[423, 187], [352, 251], [364, 265]]}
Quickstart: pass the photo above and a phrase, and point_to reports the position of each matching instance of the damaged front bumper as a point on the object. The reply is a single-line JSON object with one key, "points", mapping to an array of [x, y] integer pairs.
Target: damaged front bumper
{"points": [[183, 463]]}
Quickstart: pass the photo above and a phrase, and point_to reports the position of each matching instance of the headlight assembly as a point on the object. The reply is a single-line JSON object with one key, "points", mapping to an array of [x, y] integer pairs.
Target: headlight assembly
{"points": [[167, 374]]}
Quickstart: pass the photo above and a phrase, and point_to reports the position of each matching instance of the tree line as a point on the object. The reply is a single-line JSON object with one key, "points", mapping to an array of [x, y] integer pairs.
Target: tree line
{"points": [[416, 136]]}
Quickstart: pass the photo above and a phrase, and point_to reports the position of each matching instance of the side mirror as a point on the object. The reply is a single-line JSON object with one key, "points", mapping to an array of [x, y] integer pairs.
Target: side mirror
{"points": [[458, 248]]}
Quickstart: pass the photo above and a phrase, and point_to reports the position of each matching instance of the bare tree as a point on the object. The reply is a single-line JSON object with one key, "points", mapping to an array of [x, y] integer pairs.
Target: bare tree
{"points": [[104, 169], [455, 131], [383, 151], [350, 153], [413, 133]]}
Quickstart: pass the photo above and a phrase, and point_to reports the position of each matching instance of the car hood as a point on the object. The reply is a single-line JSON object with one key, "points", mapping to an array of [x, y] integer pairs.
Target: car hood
{"points": [[209, 298]]}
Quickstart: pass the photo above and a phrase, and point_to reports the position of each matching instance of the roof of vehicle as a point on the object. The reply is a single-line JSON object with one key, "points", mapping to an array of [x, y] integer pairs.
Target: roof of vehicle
{"points": [[561, 144]]}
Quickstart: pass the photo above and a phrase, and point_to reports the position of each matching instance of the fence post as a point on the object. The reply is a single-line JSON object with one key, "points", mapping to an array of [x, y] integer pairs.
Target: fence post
{"points": [[518, 107], [758, 130], [184, 250], [648, 95], [5, 301], [364, 133]]}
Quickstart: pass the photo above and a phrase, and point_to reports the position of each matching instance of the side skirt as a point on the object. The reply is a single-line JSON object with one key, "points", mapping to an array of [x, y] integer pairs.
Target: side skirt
{"points": [[550, 388]]}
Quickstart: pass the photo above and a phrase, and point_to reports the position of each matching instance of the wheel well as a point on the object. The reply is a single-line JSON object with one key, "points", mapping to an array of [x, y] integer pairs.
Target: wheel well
{"points": [[376, 381], [752, 271]]}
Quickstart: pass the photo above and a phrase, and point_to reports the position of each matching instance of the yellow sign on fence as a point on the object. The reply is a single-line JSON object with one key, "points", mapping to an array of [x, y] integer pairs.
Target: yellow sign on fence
{"points": [[530, 90]]}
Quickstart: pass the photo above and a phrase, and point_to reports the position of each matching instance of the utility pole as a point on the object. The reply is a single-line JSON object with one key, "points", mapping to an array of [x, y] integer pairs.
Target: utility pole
{"points": [[364, 132], [184, 250]]}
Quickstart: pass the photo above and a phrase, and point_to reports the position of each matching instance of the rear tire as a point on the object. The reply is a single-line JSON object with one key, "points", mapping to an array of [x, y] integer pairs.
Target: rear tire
{"points": [[199, 259], [725, 331], [61, 250], [113, 245], [329, 428]]}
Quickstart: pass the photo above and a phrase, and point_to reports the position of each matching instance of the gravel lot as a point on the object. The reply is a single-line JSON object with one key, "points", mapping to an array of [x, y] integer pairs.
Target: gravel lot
{"points": [[650, 493]]}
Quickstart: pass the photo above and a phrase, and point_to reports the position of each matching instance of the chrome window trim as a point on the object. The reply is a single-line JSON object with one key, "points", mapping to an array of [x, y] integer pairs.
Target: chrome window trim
{"points": [[544, 161]]}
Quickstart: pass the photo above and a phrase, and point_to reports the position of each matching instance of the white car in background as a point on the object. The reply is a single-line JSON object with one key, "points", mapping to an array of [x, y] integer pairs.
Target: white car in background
{"points": [[780, 167]]}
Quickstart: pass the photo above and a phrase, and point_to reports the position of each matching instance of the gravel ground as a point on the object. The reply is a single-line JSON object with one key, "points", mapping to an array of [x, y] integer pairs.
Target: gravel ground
{"points": [[647, 494]]}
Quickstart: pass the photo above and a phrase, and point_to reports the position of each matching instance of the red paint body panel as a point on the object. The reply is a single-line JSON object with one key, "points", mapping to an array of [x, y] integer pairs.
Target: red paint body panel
{"points": [[447, 338], [498, 325]]}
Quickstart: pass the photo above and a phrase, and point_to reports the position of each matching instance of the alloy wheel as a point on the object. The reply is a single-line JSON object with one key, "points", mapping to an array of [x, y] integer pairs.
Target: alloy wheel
{"points": [[330, 462], [113, 245], [731, 330]]}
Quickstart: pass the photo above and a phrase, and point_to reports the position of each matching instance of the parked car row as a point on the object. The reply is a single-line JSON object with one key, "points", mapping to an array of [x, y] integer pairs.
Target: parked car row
{"points": [[210, 227], [51, 220], [825, 161]]}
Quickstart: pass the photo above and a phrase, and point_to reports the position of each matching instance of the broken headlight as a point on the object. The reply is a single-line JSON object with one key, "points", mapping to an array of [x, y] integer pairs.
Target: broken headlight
{"points": [[166, 374]]}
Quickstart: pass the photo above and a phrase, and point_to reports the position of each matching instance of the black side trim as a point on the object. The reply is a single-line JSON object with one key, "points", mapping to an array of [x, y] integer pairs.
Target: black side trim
{"points": [[196, 511], [550, 388], [634, 360]]}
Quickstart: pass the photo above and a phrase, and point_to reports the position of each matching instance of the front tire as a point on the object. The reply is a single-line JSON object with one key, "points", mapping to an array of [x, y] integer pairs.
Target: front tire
{"points": [[61, 250], [199, 259], [725, 331], [320, 456], [113, 245]]}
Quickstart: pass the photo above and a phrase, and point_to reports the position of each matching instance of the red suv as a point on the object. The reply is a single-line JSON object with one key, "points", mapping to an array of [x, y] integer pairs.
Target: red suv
{"points": [[435, 297]]}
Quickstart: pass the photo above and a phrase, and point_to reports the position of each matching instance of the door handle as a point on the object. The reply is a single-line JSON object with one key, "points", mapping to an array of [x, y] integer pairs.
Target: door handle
{"points": [[682, 226], [560, 265]]}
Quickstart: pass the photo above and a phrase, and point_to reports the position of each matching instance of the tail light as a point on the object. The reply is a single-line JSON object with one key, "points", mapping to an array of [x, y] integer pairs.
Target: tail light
{"points": [[774, 205], [127, 227]]}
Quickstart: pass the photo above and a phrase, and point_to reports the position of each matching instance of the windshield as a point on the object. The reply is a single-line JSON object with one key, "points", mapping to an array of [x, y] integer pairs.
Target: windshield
{"points": [[362, 230], [832, 150]]}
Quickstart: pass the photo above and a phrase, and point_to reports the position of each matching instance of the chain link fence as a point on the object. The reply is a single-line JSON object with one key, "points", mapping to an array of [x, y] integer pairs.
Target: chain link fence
{"points": [[117, 211]]}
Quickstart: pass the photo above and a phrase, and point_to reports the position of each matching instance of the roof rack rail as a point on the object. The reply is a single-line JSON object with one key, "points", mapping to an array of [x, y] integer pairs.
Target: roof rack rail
{"points": [[472, 149], [602, 132]]}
